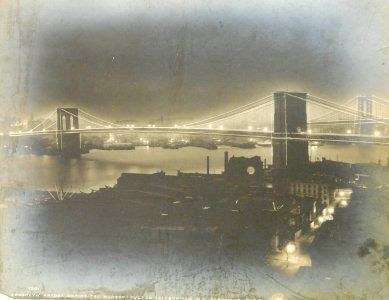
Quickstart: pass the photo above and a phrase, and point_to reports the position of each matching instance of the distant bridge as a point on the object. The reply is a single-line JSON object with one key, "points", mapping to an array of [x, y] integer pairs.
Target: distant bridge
{"points": [[303, 136], [288, 129]]}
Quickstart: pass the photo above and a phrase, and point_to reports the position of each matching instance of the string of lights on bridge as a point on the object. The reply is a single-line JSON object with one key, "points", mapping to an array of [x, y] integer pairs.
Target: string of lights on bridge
{"points": [[346, 110]]}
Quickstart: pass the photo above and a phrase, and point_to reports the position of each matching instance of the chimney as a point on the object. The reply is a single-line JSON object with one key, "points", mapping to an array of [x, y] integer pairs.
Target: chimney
{"points": [[225, 161]]}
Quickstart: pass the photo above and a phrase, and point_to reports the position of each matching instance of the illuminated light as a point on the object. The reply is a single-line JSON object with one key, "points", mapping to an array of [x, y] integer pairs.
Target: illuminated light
{"points": [[221, 127], [320, 219], [342, 194], [171, 140], [153, 125], [348, 131], [132, 125], [72, 128], [176, 125], [277, 296], [250, 128], [377, 133], [44, 129], [309, 131], [163, 214], [184, 126], [109, 126], [19, 131], [1, 133], [343, 203], [331, 210], [209, 125], [250, 140], [127, 125], [88, 127], [290, 247], [148, 125], [265, 129]]}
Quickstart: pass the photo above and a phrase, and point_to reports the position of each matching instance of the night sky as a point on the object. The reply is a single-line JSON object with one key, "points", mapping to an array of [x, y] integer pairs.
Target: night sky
{"points": [[187, 59]]}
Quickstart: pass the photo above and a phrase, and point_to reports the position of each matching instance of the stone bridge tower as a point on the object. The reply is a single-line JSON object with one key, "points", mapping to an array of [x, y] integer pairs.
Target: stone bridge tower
{"points": [[68, 143]]}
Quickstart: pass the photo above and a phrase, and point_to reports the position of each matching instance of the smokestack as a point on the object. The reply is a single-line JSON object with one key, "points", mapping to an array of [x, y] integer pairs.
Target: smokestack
{"points": [[207, 165], [225, 161]]}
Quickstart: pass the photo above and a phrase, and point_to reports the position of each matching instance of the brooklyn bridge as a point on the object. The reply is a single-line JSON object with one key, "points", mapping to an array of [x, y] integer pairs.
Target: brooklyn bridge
{"points": [[285, 118]]}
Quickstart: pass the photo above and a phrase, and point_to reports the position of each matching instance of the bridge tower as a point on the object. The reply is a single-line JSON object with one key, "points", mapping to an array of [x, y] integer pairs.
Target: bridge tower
{"points": [[290, 116], [365, 105], [69, 144]]}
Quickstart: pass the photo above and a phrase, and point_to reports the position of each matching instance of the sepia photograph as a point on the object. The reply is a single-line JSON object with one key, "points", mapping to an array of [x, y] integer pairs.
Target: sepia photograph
{"points": [[194, 149]]}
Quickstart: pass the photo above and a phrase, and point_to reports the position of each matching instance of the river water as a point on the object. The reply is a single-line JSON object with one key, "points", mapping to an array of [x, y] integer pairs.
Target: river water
{"points": [[99, 168]]}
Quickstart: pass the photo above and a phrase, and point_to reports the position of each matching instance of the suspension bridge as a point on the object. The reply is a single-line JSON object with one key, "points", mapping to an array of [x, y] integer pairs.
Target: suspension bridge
{"points": [[289, 119]]}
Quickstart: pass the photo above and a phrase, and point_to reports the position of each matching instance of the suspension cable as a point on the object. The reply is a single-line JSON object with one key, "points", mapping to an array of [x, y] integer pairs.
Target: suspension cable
{"points": [[84, 112], [237, 115], [46, 119], [333, 106], [233, 111]]}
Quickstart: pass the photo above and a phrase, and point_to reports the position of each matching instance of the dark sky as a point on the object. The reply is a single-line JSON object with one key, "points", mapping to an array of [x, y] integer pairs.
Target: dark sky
{"points": [[143, 59]]}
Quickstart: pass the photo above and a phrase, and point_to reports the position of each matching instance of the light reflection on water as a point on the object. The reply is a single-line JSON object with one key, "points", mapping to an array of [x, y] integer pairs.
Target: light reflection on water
{"points": [[99, 168]]}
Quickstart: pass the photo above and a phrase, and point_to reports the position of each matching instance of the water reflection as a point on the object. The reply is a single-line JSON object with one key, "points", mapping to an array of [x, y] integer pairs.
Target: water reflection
{"points": [[99, 168]]}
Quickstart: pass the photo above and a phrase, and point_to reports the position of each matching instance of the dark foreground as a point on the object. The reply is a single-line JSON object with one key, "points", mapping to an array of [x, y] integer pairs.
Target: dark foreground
{"points": [[155, 245]]}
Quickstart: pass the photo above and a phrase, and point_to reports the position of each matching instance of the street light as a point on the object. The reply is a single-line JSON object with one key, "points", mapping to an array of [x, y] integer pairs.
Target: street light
{"points": [[343, 203], [348, 131], [377, 133], [250, 128], [289, 248]]}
